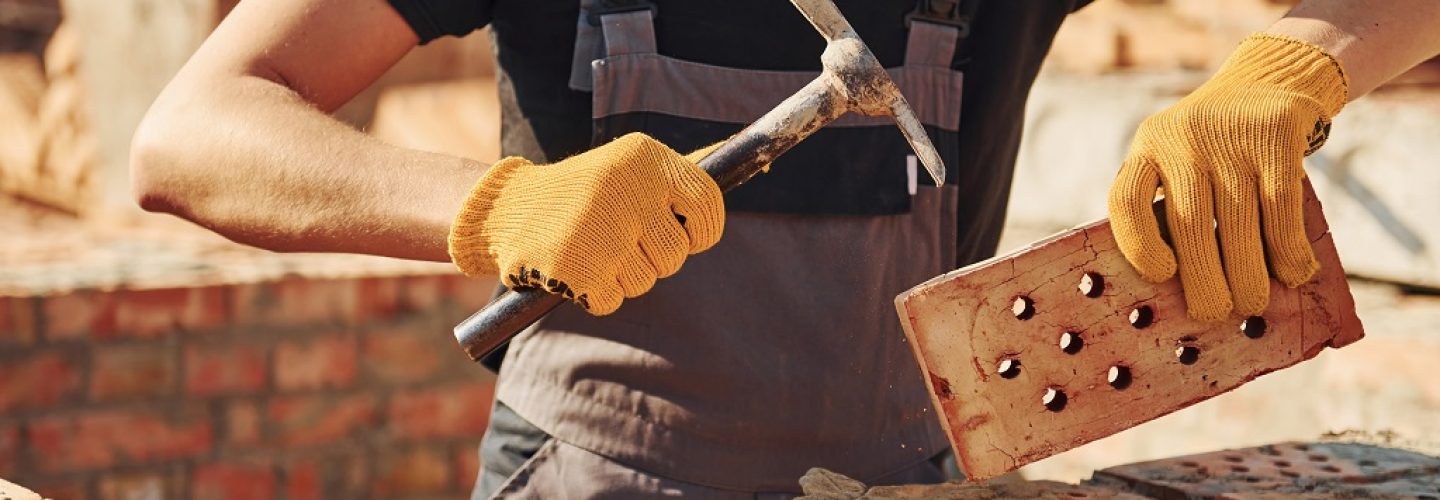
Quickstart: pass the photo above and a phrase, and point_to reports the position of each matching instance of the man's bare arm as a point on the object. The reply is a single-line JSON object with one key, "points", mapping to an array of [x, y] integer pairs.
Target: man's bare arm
{"points": [[240, 141], [1375, 40]]}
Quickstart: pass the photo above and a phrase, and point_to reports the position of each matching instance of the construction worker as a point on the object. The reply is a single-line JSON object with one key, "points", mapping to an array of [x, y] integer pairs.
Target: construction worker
{"points": [[777, 349]]}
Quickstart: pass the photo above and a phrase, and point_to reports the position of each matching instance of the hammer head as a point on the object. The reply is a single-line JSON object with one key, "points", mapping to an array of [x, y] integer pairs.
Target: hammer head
{"points": [[863, 83]]}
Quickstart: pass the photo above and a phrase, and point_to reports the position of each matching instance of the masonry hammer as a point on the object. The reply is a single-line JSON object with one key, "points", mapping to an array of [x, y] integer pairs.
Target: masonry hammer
{"points": [[852, 80]]}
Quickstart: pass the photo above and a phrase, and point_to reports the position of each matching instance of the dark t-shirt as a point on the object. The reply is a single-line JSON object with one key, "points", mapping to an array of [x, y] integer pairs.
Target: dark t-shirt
{"points": [[544, 120]]}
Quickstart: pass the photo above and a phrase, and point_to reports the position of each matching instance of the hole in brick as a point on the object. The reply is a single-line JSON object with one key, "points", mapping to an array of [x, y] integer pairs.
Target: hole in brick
{"points": [[1302, 447], [1077, 494], [1023, 307], [1054, 399], [1188, 463], [1253, 327], [1270, 450], [1252, 479], [1240, 468], [1142, 316], [1092, 284], [1282, 464], [1234, 458], [1008, 368], [1319, 458], [1187, 354], [1118, 377], [1290, 474], [1330, 468], [1070, 342], [1367, 463]]}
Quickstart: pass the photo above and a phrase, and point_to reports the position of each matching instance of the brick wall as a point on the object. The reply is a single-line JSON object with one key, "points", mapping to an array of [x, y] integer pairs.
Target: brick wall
{"points": [[341, 388]]}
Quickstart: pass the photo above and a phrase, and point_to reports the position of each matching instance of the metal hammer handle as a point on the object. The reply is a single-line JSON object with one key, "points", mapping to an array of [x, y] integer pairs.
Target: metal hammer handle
{"points": [[731, 164]]}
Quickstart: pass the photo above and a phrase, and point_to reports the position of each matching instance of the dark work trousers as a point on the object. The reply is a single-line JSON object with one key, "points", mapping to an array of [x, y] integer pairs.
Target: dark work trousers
{"points": [[510, 442]]}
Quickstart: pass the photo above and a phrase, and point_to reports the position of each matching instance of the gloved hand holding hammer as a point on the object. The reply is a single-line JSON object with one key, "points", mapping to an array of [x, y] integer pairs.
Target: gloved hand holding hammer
{"points": [[597, 227]]}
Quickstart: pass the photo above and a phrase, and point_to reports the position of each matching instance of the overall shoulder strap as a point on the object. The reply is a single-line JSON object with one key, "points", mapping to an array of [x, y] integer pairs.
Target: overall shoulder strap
{"points": [[938, 31], [630, 31]]}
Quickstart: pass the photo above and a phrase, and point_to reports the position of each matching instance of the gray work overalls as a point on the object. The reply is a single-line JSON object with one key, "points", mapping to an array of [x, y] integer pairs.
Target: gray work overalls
{"points": [[776, 350]]}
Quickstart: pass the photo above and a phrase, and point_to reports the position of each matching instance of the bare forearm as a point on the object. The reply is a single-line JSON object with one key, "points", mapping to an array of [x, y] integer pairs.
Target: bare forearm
{"points": [[253, 161], [1375, 40]]}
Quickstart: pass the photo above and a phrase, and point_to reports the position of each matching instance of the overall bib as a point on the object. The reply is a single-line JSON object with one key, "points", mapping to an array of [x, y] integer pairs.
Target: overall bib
{"points": [[778, 349]]}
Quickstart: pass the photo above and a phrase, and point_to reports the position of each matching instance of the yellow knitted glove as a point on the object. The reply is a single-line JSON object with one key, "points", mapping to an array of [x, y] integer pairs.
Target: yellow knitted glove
{"points": [[1229, 158], [597, 227]]}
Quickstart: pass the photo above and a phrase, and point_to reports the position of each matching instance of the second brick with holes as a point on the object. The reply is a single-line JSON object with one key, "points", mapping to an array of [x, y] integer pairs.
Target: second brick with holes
{"points": [[1037, 352]]}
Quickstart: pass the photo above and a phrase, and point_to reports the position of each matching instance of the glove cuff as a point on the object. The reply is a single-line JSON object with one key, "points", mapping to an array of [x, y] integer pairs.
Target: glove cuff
{"points": [[1290, 64], [469, 242]]}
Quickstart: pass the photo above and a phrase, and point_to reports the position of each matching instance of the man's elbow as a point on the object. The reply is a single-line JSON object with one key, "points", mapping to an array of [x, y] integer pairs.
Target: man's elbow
{"points": [[152, 164]]}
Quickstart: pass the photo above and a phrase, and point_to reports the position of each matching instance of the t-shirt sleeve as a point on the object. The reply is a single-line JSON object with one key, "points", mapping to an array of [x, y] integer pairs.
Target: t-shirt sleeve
{"points": [[433, 19]]}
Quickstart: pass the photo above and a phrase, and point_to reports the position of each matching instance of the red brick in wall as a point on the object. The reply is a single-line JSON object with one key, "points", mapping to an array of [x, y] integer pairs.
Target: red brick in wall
{"points": [[412, 472], [9, 449], [219, 369], [441, 411], [104, 438], [327, 362], [347, 388], [39, 379], [233, 481], [398, 357], [80, 315], [131, 372], [315, 419]]}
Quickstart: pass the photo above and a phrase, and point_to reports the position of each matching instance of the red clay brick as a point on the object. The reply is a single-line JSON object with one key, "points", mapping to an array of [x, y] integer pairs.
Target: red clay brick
{"points": [[6, 328], [80, 315], [467, 466], [105, 438], [1018, 352], [376, 299], [295, 301], [302, 482], [40, 379], [421, 293], [58, 489], [326, 362], [309, 420], [9, 450], [454, 411], [227, 481], [415, 471], [399, 357], [17, 321], [141, 485], [212, 370], [471, 293], [242, 423], [132, 371], [150, 313]]}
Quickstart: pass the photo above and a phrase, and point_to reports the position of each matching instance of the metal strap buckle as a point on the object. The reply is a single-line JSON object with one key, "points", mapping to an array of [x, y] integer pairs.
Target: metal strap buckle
{"points": [[605, 7], [946, 12]]}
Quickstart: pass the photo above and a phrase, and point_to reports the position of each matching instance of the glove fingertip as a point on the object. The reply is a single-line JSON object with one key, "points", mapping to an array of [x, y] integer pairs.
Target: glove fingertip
{"points": [[1154, 265], [602, 302], [1299, 273], [1252, 302], [1209, 310]]}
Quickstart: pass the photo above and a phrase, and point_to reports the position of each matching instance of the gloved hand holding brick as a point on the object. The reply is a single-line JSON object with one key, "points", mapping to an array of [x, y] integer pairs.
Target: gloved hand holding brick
{"points": [[1229, 157]]}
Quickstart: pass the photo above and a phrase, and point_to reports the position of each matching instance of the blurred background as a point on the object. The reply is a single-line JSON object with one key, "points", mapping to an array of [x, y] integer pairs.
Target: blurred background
{"points": [[143, 357]]}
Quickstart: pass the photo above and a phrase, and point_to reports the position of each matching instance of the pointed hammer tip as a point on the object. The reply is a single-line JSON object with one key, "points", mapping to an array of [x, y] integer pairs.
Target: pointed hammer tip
{"points": [[935, 166]]}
